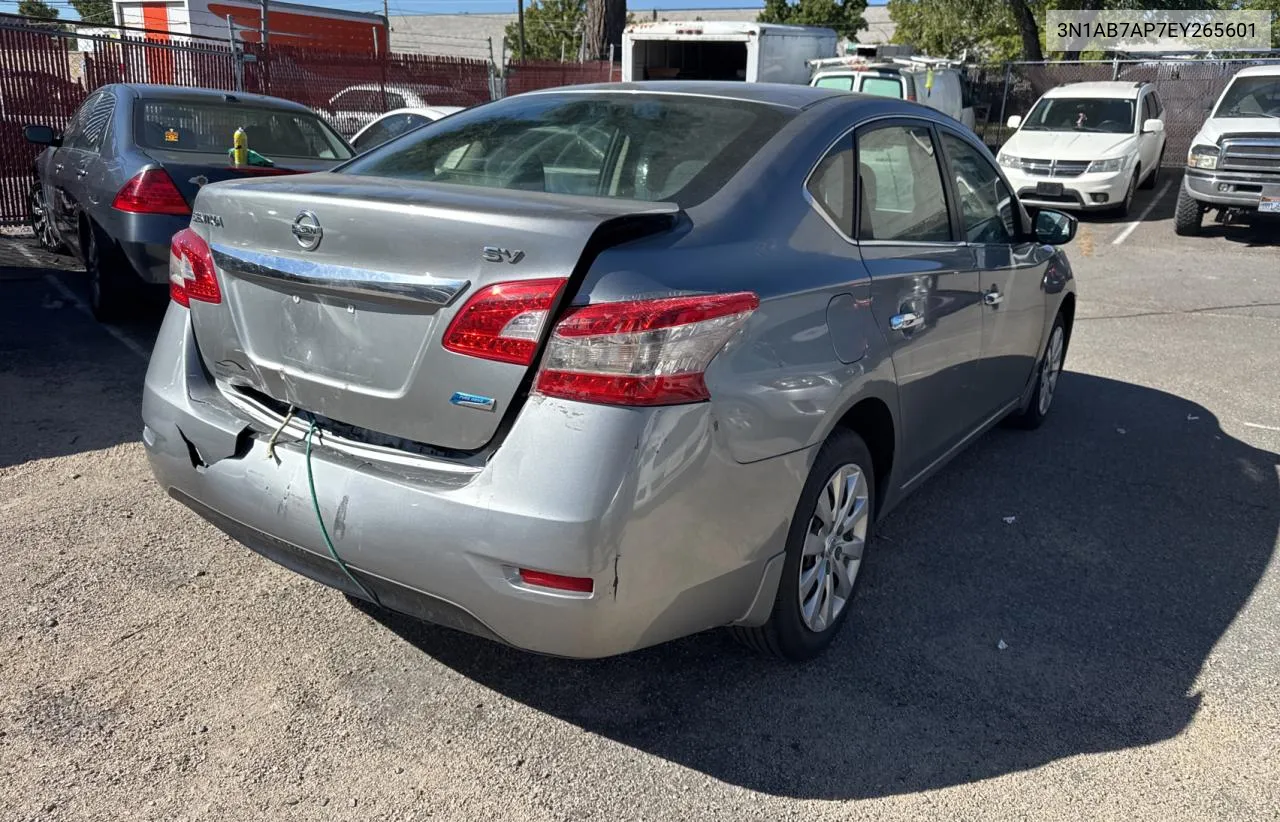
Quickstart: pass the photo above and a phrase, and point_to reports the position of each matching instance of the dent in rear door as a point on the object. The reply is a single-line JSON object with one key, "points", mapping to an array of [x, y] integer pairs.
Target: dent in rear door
{"points": [[924, 289]]}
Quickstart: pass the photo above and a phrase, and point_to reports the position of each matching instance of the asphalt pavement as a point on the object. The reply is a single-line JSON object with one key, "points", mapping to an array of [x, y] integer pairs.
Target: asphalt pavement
{"points": [[1077, 622]]}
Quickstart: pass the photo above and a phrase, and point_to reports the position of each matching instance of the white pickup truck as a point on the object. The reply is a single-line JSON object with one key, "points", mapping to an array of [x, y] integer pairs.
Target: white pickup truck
{"points": [[1234, 162]]}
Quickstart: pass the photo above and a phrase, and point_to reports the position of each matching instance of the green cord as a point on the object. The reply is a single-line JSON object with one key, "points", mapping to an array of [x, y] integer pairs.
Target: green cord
{"points": [[315, 504]]}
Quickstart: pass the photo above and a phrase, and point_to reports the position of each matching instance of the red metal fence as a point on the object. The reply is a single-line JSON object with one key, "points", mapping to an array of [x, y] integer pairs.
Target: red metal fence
{"points": [[45, 75], [530, 75], [36, 86]]}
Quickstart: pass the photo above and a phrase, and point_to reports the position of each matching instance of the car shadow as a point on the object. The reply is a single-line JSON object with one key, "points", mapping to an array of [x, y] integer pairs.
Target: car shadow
{"points": [[1047, 595], [69, 387], [1260, 231]]}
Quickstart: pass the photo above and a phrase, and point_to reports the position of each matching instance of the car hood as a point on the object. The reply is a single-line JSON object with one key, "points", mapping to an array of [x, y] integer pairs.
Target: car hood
{"points": [[1068, 145], [1214, 128]]}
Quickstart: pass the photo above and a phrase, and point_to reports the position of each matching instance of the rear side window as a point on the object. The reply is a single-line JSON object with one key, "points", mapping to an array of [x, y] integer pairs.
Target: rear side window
{"points": [[642, 147], [902, 195], [96, 121], [393, 125], [843, 82], [209, 127], [831, 185], [882, 87]]}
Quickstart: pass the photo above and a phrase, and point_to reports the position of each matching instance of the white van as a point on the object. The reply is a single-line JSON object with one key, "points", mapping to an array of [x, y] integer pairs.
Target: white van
{"points": [[937, 83], [719, 50]]}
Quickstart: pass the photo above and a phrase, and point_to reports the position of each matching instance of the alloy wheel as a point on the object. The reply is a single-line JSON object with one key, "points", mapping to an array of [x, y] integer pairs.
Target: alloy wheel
{"points": [[832, 552], [1050, 369], [40, 221]]}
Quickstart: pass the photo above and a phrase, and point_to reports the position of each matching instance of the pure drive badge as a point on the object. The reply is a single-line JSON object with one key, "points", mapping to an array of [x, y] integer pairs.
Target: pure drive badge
{"points": [[472, 401]]}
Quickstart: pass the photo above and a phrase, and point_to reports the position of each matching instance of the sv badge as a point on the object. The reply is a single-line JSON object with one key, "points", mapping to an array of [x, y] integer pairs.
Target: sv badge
{"points": [[493, 254]]}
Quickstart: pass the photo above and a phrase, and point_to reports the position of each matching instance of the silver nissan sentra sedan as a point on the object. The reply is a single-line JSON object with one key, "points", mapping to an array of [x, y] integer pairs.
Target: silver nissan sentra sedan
{"points": [[589, 369]]}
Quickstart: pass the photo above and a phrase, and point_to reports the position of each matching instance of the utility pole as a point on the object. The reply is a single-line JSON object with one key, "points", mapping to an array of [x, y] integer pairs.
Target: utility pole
{"points": [[521, 19], [262, 25]]}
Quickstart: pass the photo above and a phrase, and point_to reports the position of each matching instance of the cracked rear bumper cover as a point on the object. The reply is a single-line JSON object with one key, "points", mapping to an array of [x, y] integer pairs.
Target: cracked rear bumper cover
{"points": [[623, 496]]}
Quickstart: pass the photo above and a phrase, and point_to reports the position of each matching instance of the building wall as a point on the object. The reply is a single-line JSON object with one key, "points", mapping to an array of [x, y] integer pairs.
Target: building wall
{"points": [[467, 35]]}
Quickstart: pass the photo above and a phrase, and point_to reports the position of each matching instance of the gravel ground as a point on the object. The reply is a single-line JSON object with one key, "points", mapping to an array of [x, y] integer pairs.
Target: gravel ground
{"points": [[1110, 653]]}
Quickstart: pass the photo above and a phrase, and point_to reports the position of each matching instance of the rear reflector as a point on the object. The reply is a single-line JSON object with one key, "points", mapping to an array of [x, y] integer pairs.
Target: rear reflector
{"points": [[503, 322], [643, 352], [191, 273], [151, 191], [542, 579]]}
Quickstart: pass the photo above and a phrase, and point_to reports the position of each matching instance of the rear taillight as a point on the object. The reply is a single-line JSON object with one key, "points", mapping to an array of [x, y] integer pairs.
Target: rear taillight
{"points": [[191, 274], [504, 321], [151, 192], [644, 352]]}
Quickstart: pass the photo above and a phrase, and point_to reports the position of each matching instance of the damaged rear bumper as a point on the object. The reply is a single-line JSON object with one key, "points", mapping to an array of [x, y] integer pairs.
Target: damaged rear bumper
{"points": [[676, 536]]}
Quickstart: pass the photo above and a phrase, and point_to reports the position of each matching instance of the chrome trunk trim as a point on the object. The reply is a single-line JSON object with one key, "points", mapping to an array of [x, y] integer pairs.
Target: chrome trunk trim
{"points": [[338, 279]]}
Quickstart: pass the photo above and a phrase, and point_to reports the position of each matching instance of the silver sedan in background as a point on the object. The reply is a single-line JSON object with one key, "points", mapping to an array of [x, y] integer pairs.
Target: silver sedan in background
{"points": [[590, 369]]}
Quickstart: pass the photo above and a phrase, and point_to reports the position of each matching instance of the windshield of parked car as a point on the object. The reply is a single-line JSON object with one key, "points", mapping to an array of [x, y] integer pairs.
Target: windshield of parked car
{"points": [[1101, 114], [656, 147], [209, 127], [1251, 97]]}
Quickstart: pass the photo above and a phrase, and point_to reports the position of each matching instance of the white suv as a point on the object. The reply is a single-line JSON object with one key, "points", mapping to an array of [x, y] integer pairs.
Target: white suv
{"points": [[1234, 161], [1086, 146]]}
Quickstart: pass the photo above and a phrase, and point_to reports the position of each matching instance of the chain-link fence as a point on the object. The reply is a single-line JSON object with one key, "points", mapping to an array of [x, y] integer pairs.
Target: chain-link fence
{"points": [[1188, 88], [47, 70]]}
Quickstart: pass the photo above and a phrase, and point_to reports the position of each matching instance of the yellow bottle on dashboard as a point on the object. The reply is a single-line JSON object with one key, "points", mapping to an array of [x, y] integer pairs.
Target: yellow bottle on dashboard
{"points": [[240, 148]]}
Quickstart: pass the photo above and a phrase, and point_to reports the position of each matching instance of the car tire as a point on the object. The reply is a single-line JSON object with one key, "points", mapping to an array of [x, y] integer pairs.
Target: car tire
{"points": [[820, 571], [1048, 370], [113, 288], [1153, 179], [40, 220], [1126, 206], [1187, 215]]}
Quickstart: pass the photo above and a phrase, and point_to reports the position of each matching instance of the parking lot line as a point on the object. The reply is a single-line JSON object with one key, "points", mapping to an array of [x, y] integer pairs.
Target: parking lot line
{"points": [[1146, 211], [1260, 426], [26, 252], [119, 335]]}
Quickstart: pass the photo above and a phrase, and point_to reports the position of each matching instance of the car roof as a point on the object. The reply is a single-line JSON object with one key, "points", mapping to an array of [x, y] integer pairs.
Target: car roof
{"points": [[432, 112], [1259, 71], [414, 87], [778, 94], [1114, 89], [191, 93]]}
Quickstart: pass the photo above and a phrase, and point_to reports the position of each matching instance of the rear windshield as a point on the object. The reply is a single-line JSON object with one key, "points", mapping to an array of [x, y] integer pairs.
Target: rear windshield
{"points": [[843, 82], [180, 125], [882, 87], [643, 147]]}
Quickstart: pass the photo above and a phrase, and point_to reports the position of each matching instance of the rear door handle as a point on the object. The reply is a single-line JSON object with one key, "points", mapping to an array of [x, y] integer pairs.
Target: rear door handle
{"points": [[993, 297], [905, 322]]}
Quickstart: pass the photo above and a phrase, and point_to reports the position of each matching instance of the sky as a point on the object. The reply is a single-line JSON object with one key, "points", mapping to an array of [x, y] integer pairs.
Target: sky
{"points": [[456, 6]]}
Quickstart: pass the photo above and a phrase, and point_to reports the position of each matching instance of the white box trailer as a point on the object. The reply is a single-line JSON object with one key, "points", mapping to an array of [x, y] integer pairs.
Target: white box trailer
{"points": [[717, 50]]}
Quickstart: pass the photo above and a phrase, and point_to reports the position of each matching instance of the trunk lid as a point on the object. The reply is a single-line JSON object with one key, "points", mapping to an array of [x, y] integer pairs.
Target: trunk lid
{"points": [[187, 167], [352, 329]]}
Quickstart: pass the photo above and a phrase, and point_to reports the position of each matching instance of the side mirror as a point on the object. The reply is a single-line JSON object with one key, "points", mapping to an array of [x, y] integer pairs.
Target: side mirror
{"points": [[1054, 227], [1152, 126], [41, 136], [1014, 122]]}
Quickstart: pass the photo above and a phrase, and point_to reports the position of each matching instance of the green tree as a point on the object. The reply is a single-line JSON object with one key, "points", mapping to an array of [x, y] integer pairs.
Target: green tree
{"points": [[949, 28], [551, 28], [97, 12], [845, 16], [38, 9]]}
